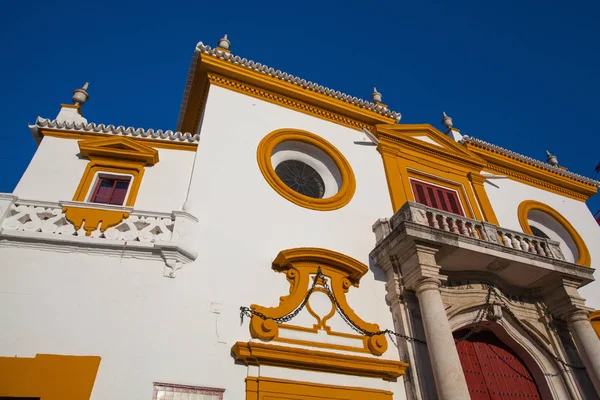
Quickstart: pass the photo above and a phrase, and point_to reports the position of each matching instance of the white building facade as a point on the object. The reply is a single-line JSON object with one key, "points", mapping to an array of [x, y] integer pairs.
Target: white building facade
{"points": [[368, 258]]}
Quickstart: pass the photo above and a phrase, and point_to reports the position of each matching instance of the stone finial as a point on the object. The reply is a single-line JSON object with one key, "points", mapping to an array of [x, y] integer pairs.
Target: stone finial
{"points": [[80, 96], [552, 160], [224, 43], [376, 96], [447, 121]]}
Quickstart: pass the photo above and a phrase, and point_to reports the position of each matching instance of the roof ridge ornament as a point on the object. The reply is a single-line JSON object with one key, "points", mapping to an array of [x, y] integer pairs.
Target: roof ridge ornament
{"points": [[224, 43], [446, 120], [376, 96], [451, 131], [80, 96], [551, 159]]}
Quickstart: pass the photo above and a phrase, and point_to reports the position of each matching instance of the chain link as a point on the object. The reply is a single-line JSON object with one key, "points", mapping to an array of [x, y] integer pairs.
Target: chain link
{"points": [[247, 312]]}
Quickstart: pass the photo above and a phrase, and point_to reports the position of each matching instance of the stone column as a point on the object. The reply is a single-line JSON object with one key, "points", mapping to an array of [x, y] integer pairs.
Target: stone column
{"points": [[447, 370], [421, 274], [587, 344]]}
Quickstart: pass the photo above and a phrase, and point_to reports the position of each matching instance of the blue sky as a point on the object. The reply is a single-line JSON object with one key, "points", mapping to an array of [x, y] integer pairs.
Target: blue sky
{"points": [[520, 74]]}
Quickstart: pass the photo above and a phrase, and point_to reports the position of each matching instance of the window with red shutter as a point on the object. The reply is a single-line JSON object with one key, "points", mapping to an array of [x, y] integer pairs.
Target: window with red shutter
{"points": [[436, 197], [110, 191]]}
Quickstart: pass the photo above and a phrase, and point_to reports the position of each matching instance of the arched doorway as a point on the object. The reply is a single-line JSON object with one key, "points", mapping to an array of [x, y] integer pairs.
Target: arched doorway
{"points": [[492, 370]]}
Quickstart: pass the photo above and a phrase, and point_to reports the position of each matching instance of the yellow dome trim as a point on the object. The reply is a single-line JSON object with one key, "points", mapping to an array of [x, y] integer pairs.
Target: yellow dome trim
{"points": [[525, 207], [273, 139]]}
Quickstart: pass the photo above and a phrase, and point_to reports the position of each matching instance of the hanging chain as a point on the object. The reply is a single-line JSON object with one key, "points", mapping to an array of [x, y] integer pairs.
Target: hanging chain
{"points": [[247, 312]]}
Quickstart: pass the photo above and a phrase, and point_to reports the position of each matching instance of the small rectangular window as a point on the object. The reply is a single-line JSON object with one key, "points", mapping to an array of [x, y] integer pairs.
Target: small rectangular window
{"points": [[110, 191], [436, 197]]}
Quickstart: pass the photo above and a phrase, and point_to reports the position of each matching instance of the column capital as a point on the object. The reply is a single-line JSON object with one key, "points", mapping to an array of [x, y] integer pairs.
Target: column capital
{"points": [[428, 284], [562, 297], [578, 315], [418, 264]]}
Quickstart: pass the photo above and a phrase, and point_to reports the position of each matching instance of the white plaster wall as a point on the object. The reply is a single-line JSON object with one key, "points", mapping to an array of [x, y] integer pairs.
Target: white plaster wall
{"points": [[56, 170], [165, 185], [506, 195], [150, 328]]}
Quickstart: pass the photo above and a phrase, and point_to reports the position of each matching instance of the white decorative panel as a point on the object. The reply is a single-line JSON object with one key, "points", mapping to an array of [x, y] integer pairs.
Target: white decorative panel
{"points": [[166, 391]]}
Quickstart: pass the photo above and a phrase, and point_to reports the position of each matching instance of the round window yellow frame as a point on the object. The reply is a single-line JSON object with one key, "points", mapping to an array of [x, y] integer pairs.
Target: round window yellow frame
{"points": [[584, 255], [265, 151]]}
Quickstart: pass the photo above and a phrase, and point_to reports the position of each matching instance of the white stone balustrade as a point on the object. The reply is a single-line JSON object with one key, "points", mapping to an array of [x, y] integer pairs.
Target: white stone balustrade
{"points": [[28, 216], [423, 215], [168, 236]]}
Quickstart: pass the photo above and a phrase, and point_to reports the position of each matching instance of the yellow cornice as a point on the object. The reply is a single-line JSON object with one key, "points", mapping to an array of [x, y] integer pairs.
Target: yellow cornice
{"points": [[401, 136], [118, 148], [353, 268], [253, 353], [211, 70], [159, 144], [533, 176]]}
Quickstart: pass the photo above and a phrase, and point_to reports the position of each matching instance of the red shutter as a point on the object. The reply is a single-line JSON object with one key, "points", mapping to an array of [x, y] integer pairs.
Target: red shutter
{"points": [[110, 191], [436, 197]]}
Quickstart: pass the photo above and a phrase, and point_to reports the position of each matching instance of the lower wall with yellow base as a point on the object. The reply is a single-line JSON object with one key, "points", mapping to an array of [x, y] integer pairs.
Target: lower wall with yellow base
{"points": [[48, 376]]}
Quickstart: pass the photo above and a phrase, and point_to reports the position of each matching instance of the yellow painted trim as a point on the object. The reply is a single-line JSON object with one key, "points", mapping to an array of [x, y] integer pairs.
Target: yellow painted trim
{"points": [[265, 151], [211, 70], [262, 388], [595, 321], [393, 176], [254, 353], [477, 181], [523, 211], [48, 376], [448, 165], [533, 176], [90, 218], [110, 166], [342, 272], [116, 155], [157, 144]]}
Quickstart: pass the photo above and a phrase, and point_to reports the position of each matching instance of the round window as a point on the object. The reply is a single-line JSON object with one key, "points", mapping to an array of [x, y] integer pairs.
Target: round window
{"points": [[301, 177], [541, 220], [306, 169]]}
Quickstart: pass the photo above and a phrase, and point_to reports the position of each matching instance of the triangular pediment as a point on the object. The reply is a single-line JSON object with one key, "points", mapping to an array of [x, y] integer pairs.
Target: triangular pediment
{"points": [[425, 138], [118, 148]]}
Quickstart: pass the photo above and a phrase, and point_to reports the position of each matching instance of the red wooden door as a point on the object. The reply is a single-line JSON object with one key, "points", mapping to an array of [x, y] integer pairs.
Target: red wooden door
{"points": [[492, 370]]}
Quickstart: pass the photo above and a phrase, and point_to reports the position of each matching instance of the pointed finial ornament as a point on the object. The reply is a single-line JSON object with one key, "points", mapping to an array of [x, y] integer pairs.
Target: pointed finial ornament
{"points": [[80, 96], [446, 120], [224, 43], [552, 160], [376, 96]]}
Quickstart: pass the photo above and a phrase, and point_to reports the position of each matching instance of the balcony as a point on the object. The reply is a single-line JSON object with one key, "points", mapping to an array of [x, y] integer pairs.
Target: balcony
{"points": [[475, 248], [142, 234]]}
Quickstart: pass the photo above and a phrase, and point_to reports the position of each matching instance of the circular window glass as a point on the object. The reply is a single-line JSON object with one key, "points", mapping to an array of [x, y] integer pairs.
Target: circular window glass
{"points": [[306, 169], [301, 177]]}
